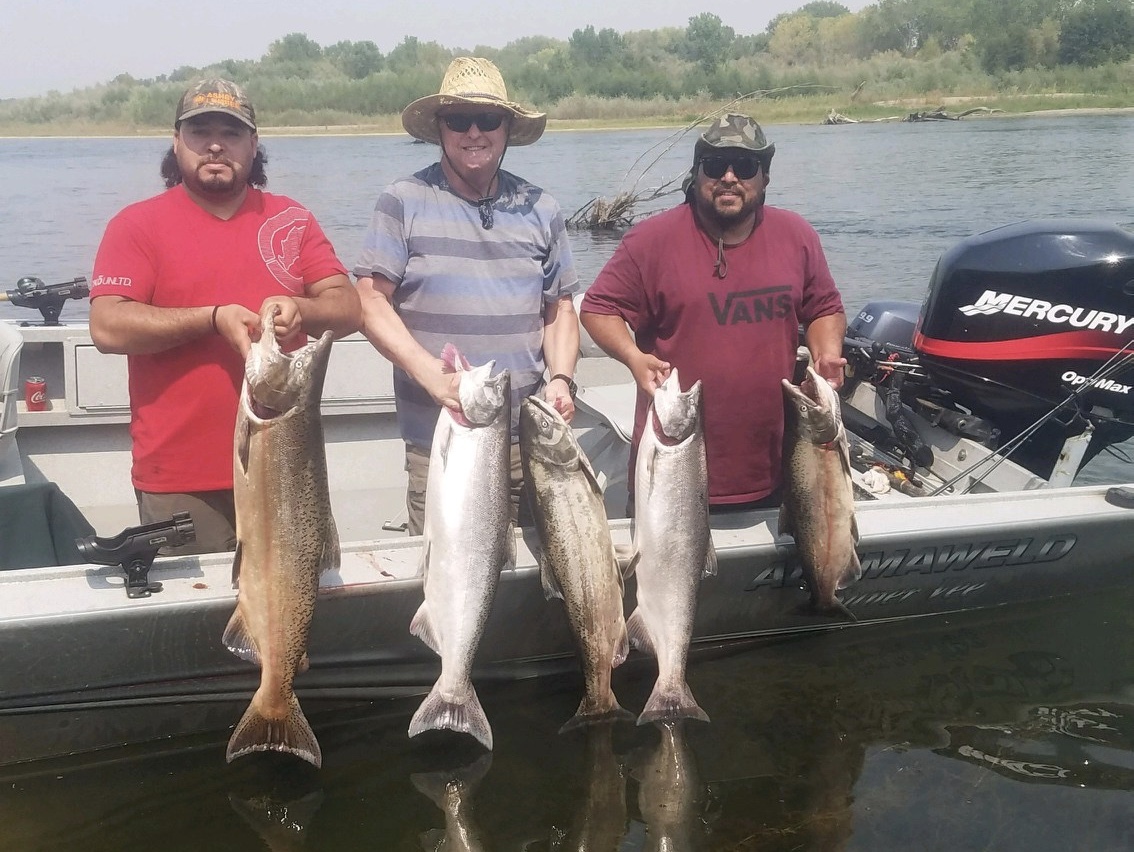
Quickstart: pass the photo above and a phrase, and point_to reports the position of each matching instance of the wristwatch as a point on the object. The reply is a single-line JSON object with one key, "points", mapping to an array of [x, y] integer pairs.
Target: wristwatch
{"points": [[572, 388]]}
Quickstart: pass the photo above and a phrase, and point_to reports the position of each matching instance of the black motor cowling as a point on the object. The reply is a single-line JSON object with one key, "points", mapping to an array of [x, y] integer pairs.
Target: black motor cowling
{"points": [[1018, 316]]}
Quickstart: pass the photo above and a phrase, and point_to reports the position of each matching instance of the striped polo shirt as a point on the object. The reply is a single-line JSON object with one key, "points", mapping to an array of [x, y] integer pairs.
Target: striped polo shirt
{"points": [[481, 289]]}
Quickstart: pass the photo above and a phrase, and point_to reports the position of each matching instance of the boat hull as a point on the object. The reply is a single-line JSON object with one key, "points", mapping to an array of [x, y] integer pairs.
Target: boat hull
{"points": [[88, 668]]}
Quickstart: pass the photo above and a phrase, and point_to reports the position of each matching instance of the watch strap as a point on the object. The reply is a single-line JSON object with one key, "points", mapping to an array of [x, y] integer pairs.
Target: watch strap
{"points": [[572, 388]]}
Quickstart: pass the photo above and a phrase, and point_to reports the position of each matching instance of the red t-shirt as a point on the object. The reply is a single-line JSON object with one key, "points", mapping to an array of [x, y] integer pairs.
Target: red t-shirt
{"points": [[738, 335], [167, 251]]}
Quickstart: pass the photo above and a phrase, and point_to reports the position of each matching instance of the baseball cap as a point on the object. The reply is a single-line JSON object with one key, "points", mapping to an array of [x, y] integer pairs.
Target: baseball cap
{"points": [[215, 95]]}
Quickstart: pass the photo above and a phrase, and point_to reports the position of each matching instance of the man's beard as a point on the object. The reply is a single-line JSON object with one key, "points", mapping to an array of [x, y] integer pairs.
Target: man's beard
{"points": [[723, 220], [216, 184]]}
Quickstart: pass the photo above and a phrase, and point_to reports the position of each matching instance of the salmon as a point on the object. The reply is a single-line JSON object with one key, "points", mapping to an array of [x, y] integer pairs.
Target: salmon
{"points": [[286, 536]]}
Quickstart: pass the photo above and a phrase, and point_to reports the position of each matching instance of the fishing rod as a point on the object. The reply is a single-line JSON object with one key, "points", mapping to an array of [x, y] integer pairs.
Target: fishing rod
{"points": [[1118, 361]]}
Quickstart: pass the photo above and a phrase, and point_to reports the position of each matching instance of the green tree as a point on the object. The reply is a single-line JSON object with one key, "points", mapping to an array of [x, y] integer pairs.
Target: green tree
{"points": [[356, 59], [816, 9], [1096, 32], [708, 41], [294, 47], [587, 47], [413, 56]]}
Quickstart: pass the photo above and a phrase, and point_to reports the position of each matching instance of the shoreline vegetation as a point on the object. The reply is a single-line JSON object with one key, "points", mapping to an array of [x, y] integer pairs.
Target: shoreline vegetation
{"points": [[642, 114], [894, 60]]}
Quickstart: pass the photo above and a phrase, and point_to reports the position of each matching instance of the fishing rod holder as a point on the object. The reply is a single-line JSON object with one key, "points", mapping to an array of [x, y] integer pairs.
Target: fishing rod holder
{"points": [[48, 299], [134, 549]]}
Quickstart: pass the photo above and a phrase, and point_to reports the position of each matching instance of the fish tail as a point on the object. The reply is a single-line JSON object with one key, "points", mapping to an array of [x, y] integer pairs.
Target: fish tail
{"points": [[668, 703], [291, 734], [590, 713], [465, 716]]}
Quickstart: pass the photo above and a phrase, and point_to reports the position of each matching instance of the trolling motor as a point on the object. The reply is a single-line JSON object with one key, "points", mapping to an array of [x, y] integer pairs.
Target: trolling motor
{"points": [[134, 550], [48, 299]]}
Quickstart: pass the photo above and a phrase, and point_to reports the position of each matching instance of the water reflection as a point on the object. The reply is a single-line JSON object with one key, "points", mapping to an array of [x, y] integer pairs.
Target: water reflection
{"points": [[452, 791], [280, 807], [670, 793], [600, 817], [1015, 726]]}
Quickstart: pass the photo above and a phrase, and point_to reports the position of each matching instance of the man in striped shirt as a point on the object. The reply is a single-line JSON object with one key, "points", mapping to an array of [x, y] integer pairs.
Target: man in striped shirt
{"points": [[466, 253]]}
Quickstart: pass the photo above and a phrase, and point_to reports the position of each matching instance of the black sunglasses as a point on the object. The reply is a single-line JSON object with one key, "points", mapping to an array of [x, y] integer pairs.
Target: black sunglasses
{"points": [[745, 168], [460, 122]]}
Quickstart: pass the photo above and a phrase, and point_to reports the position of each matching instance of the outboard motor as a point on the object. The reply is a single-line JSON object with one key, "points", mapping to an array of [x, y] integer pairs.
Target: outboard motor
{"points": [[1018, 317]]}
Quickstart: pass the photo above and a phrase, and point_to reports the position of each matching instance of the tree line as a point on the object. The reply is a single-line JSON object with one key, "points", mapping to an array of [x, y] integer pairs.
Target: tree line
{"points": [[896, 45]]}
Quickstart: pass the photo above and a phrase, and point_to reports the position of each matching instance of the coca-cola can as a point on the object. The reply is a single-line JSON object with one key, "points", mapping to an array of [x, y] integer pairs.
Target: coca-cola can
{"points": [[35, 393]]}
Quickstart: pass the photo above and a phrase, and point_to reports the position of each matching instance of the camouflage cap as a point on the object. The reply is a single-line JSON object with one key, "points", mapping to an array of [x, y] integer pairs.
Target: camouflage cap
{"points": [[734, 130], [731, 130], [215, 95]]}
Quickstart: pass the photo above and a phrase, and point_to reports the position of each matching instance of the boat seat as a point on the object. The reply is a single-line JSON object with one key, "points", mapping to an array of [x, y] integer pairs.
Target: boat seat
{"points": [[11, 342], [38, 527], [612, 405]]}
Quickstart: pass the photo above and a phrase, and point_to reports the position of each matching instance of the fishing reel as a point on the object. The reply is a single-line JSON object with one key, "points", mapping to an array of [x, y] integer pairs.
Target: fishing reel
{"points": [[134, 550]]}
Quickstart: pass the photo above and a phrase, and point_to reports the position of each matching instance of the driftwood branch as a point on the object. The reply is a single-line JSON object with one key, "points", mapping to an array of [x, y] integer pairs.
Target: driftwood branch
{"points": [[940, 114], [620, 212]]}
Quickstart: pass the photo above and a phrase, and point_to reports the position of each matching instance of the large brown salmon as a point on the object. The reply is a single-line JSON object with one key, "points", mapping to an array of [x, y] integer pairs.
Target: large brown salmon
{"points": [[577, 558], [285, 533], [818, 506]]}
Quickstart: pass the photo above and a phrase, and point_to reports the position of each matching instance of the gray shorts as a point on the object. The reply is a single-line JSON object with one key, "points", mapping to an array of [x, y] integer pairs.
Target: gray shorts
{"points": [[213, 514]]}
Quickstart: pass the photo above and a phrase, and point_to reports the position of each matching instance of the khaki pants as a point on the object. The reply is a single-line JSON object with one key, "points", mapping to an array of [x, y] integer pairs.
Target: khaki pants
{"points": [[417, 466], [213, 514]]}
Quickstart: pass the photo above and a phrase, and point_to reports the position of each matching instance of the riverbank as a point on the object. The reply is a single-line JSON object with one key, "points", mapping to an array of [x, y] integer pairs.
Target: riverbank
{"points": [[808, 109]]}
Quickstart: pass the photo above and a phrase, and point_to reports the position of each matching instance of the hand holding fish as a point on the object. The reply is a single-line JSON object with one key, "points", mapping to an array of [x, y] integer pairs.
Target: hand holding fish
{"points": [[559, 398], [444, 386], [238, 325], [287, 323], [649, 371], [831, 368]]}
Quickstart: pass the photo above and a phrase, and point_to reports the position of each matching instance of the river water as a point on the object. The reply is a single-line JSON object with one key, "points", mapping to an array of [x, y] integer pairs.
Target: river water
{"points": [[1008, 730]]}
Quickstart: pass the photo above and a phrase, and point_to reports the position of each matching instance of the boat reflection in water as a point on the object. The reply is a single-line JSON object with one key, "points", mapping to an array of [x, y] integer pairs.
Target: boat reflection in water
{"points": [[1007, 730]]}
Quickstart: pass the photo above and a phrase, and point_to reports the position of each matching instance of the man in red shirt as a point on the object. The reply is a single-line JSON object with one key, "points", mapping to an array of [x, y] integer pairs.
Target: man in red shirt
{"points": [[718, 287], [178, 285]]}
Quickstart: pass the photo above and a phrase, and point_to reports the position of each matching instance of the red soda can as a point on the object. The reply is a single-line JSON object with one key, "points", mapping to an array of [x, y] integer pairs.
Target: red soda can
{"points": [[35, 393]]}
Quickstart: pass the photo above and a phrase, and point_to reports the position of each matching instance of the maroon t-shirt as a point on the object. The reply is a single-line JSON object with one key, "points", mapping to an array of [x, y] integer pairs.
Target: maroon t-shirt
{"points": [[737, 334]]}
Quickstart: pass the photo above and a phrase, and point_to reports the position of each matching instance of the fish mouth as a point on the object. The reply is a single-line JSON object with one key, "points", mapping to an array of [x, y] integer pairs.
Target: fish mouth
{"points": [[677, 410], [275, 382]]}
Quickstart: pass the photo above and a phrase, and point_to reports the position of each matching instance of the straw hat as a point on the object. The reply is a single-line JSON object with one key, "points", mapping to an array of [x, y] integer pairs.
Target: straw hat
{"points": [[475, 81]]}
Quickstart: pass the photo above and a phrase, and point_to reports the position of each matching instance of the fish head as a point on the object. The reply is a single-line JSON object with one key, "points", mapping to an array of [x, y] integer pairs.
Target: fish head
{"points": [[545, 435], [813, 408], [278, 381], [676, 416], [484, 397]]}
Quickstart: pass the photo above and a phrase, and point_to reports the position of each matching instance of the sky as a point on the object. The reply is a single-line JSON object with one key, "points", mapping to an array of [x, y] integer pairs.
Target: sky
{"points": [[60, 45]]}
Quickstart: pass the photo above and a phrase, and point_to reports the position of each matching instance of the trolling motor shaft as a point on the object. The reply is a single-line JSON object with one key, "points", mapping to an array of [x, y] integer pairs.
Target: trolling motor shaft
{"points": [[134, 550]]}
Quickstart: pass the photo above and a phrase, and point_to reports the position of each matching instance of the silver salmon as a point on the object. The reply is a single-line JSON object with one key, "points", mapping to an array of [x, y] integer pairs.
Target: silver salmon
{"points": [[468, 538], [577, 560], [673, 543], [818, 504], [285, 533]]}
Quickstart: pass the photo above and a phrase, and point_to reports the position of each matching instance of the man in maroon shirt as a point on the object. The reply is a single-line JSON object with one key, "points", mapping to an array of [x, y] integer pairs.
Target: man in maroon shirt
{"points": [[718, 288]]}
